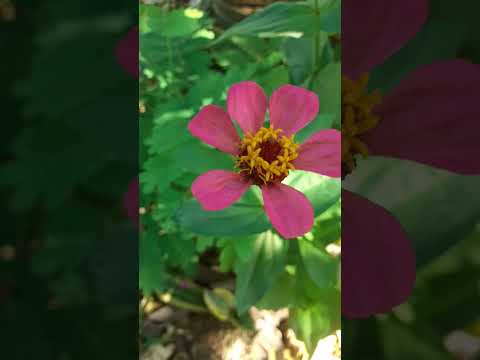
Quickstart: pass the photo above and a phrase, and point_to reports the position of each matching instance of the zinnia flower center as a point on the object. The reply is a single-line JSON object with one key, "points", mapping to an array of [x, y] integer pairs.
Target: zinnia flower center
{"points": [[357, 119], [266, 157]]}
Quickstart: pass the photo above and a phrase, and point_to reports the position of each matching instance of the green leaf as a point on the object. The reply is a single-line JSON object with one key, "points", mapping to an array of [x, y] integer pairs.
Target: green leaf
{"points": [[169, 135], [158, 173], [207, 90], [179, 250], [166, 53], [245, 217], [219, 302], [330, 17], [281, 295], [299, 58], [151, 271], [198, 158], [322, 267], [244, 247], [327, 85], [321, 122], [449, 201], [175, 23], [204, 242], [322, 191], [277, 19], [227, 257], [260, 272], [433, 206], [327, 231], [311, 324], [273, 79]]}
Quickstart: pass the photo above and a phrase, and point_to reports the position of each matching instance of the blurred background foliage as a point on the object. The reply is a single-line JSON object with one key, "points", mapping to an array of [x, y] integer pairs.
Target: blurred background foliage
{"points": [[68, 265], [68, 253], [440, 212], [228, 261]]}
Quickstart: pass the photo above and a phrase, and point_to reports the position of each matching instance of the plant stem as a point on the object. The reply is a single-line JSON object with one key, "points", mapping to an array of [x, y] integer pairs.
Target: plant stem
{"points": [[316, 49]]}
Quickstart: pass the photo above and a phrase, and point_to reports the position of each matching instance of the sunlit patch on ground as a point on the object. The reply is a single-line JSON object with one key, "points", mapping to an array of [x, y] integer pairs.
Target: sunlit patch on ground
{"points": [[175, 334]]}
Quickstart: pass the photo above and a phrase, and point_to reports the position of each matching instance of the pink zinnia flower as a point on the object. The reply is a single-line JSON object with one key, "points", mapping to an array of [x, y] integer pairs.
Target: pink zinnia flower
{"points": [[130, 201], [265, 156], [127, 52], [431, 117]]}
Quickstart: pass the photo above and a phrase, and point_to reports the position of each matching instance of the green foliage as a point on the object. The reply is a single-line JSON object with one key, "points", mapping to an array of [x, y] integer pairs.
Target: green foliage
{"points": [[258, 273], [279, 19], [321, 266], [186, 65]]}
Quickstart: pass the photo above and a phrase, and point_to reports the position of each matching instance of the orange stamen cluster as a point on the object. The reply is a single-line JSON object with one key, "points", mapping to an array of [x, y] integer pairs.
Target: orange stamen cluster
{"points": [[266, 157], [357, 119]]}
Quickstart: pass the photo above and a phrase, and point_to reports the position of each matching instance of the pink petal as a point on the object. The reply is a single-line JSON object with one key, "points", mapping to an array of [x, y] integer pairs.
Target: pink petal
{"points": [[289, 211], [218, 189], [292, 108], [247, 105], [321, 153], [130, 201], [378, 263], [373, 30], [213, 126], [127, 52], [432, 117]]}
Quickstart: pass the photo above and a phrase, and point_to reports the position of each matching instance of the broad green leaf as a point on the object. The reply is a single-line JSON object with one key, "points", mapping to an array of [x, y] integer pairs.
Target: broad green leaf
{"points": [[322, 191], [278, 19], [281, 295], [299, 58], [330, 17], [257, 275], [321, 122], [311, 324], [434, 207], [245, 217], [198, 158], [327, 85], [451, 202], [321, 266], [244, 247]]}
